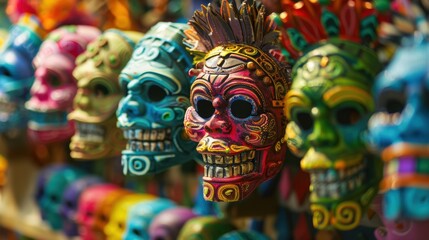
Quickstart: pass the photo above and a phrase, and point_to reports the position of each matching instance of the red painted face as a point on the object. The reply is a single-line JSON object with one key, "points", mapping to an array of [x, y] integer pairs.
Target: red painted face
{"points": [[239, 126]]}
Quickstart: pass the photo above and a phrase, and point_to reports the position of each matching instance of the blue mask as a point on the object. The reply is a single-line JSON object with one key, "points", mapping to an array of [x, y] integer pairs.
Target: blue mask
{"points": [[156, 88]]}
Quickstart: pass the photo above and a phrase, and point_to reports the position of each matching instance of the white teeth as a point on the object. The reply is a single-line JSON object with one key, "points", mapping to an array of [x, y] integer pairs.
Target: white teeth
{"points": [[228, 171], [333, 190], [210, 158], [243, 156], [153, 135], [210, 171], [236, 171], [250, 166], [218, 159], [206, 170], [219, 172], [244, 169], [161, 135], [161, 146], [139, 134], [231, 165], [252, 155], [146, 135], [152, 146], [90, 132], [237, 158]]}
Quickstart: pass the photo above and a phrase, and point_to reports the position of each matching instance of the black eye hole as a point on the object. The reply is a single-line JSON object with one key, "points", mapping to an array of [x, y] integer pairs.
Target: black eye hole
{"points": [[103, 218], [137, 232], [304, 120], [69, 204], [100, 90], [241, 109], [54, 198], [54, 80], [205, 108], [156, 93], [348, 115], [391, 101], [121, 226], [5, 72]]}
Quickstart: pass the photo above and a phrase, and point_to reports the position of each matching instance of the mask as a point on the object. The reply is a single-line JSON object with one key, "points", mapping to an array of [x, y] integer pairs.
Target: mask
{"points": [[237, 103], [168, 224], [70, 201], [89, 200], [205, 228], [397, 130], [42, 180], [141, 215], [103, 211], [115, 228], [151, 114], [50, 203], [329, 105], [98, 96], [55, 87], [17, 73]]}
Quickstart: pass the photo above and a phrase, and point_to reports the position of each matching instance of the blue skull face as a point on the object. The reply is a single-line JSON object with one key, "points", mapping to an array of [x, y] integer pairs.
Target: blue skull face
{"points": [[399, 131], [157, 90], [16, 76], [141, 215]]}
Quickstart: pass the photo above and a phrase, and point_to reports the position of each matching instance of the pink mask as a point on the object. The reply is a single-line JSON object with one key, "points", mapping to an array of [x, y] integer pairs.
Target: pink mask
{"points": [[54, 87]]}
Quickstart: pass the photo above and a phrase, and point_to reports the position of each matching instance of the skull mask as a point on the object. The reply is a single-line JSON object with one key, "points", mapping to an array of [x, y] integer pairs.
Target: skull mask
{"points": [[167, 224], [237, 112], [205, 228], [98, 96], [70, 201], [88, 203], [55, 87], [398, 130], [104, 210], [141, 215], [151, 114], [41, 183], [115, 228], [17, 73], [51, 200], [329, 105]]}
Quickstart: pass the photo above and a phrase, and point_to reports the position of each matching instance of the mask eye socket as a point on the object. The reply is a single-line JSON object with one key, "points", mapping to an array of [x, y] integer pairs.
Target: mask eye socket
{"points": [[348, 115], [303, 119], [156, 93], [54, 198], [204, 108], [101, 90], [391, 101], [5, 71], [242, 107], [54, 80]]}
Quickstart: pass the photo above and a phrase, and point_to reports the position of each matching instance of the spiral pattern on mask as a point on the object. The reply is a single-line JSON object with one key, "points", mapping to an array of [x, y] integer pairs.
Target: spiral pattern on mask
{"points": [[347, 215], [135, 165], [321, 216]]}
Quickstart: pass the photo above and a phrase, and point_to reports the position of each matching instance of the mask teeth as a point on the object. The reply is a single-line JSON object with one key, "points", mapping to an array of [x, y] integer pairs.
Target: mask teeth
{"points": [[152, 140], [90, 132], [334, 183], [225, 166]]}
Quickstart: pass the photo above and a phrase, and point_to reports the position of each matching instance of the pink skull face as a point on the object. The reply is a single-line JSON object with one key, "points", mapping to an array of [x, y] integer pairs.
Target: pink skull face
{"points": [[88, 203], [237, 119], [54, 87]]}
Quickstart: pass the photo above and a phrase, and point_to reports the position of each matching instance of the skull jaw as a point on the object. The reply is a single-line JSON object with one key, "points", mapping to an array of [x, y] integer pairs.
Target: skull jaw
{"points": [[52, 134], [342, 209], [230, 190]]}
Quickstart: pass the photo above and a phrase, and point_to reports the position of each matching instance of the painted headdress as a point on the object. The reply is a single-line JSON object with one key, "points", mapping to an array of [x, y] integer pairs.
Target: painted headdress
{"points": [[237, 98], [331, 44]]}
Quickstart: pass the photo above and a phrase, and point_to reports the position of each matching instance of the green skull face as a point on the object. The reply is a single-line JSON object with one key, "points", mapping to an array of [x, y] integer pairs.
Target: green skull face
{"points": [[328, 107]]}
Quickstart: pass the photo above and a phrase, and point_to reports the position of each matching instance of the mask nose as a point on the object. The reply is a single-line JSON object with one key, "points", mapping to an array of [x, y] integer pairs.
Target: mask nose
{"points": [[323, 135], [131, 107]]}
